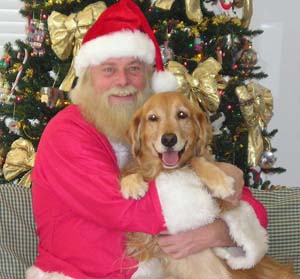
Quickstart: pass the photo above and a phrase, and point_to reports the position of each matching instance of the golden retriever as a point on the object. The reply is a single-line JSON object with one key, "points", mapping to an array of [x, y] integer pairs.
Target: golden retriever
{"points": [[168, 133]]}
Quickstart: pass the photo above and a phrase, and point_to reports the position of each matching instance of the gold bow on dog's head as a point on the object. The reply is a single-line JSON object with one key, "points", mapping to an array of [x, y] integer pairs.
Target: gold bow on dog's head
{"points": [[67, 32], [200, 87]]}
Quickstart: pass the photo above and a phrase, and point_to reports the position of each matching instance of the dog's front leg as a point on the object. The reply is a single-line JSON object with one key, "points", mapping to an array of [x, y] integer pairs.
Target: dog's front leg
{"points": [[133, 186], [216, 180]]}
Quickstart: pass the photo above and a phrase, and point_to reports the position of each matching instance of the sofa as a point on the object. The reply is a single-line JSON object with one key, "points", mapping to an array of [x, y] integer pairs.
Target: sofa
{"points": [[18, 240]]}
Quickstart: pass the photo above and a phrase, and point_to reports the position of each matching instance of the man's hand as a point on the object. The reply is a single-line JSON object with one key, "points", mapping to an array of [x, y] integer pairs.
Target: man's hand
{"points": [[187, 243], [238, 177]]}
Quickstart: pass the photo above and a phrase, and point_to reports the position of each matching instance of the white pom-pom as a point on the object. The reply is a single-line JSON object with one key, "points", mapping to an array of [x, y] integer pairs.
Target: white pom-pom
{"points": [[164, 81]]}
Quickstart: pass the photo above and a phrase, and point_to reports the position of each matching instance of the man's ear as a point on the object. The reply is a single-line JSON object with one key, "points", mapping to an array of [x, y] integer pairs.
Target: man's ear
{"points": [[133, 133]]}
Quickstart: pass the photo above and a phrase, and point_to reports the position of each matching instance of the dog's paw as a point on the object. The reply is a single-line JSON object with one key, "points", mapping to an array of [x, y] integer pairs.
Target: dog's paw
{"points": [[133, 186], [223, 187]]}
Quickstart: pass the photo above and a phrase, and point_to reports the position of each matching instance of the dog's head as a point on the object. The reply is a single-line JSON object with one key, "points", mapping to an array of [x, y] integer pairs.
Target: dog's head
{"points": [[168, 129]]}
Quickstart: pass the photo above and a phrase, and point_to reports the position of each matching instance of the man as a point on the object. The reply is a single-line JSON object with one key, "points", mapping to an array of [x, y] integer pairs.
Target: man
{"points": [[81, 216]]}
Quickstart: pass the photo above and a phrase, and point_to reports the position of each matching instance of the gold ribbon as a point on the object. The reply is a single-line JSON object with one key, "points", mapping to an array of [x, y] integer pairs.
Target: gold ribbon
{"points": [[200, 87], [256, 103], [67, 32], [247, 13], [18, 160], [192, 8]]}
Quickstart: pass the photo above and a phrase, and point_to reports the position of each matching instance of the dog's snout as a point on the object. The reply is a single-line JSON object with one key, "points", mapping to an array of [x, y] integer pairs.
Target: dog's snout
{"points": [[169, 140]]}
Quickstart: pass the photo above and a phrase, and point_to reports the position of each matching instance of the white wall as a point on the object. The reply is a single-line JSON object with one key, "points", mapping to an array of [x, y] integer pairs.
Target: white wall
{"points": [[12, 24], [278, 50]]}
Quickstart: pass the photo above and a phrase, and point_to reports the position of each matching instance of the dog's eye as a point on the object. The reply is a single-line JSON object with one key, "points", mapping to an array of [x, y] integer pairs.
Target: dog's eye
{"points": [[152, 117], [182, 115]]}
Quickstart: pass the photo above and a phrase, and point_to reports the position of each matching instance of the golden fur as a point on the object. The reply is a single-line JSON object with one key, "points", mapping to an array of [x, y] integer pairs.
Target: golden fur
{"points": [[168, 114]]}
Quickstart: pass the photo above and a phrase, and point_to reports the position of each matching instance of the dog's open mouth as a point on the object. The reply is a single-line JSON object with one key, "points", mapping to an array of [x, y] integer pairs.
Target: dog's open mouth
{"points": [[170, 158]]}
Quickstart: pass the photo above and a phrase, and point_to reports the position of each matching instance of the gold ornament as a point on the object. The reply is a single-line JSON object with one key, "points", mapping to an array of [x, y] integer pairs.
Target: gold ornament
{"points": [[52, 96], [192, 8], [19, 159], [256, 103], [200, 87], [67, 32]]}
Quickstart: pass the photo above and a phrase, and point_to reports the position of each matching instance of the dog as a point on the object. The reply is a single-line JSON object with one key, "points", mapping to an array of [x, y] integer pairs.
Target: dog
{"points": [[167, 134]]}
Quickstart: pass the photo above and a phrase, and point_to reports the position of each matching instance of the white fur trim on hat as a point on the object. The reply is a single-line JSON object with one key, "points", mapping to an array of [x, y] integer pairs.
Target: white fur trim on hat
{"points": [[125, 43], [164, 81], [185, 202], [250, 237]]}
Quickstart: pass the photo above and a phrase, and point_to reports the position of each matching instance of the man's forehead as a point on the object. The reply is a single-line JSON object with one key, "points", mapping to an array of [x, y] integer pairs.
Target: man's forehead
{"points": [[122, 61]]}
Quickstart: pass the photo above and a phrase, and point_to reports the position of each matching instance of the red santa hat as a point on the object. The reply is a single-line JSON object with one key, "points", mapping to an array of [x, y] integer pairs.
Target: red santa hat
{"points": [[123, 31]]}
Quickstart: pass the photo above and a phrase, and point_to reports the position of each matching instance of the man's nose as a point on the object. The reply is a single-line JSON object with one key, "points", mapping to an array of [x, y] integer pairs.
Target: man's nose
{"points": [[122, 78]]}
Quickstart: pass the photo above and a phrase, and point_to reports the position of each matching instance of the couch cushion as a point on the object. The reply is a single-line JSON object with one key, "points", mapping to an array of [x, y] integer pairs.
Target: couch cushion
{"points": [[18, 240], [17, 231], [283, 207]]}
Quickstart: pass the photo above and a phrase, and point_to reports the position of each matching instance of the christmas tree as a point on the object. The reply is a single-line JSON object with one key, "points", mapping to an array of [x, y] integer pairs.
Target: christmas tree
{"points": [[206, 43]]}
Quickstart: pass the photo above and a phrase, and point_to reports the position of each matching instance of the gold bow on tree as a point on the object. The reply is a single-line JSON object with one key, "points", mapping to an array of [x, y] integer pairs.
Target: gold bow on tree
{"points": [[247, 11], [200, 87], [192, 8], [18, 160], [256, 103], [67, 32]]}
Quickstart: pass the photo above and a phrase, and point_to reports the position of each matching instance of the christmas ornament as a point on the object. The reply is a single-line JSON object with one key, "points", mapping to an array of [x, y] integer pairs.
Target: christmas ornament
{"points": [[256, 104], [12, 125], [239, 9], [19, 159], [3, 64], [248, 58], [192, 8], [198, 43], [238, 3], [254, 177], [20, 70], [52, 96], [36, 36], [201, 86], [268, 160], [226, 4], [67, 32], [167, 53]]}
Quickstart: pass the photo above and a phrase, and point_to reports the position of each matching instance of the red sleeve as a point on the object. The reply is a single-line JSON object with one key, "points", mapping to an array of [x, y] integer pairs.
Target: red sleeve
{"points": [[259, 209], [76, 166]]}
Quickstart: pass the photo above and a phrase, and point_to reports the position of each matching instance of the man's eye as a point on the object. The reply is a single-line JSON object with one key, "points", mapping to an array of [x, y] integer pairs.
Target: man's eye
{"points": [[108, 70], [152, 117], [135, 69], [182, 115]]}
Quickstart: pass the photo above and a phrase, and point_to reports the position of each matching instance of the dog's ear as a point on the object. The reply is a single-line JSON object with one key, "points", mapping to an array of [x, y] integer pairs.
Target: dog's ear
{"points": [[134, 134], [205, 132]]}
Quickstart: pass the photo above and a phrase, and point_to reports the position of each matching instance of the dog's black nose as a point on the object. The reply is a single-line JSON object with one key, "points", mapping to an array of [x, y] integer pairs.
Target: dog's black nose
{"points": [[169, 140]]}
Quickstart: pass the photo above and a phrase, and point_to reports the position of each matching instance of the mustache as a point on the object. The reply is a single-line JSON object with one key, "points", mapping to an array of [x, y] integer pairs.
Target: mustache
{"points": [[121, 91]]}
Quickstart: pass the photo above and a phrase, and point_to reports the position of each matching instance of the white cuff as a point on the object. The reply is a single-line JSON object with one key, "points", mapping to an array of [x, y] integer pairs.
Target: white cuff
{"points": [[250, 237], [34, 272], [185, 202]]}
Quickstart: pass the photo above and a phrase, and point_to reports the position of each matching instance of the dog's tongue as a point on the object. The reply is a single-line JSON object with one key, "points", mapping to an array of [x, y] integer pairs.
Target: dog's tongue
{"points": [[170, 158]]}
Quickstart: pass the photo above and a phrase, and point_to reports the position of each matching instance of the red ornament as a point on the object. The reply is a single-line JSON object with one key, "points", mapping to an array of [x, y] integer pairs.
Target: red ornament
{"points": [[225, 6]]}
